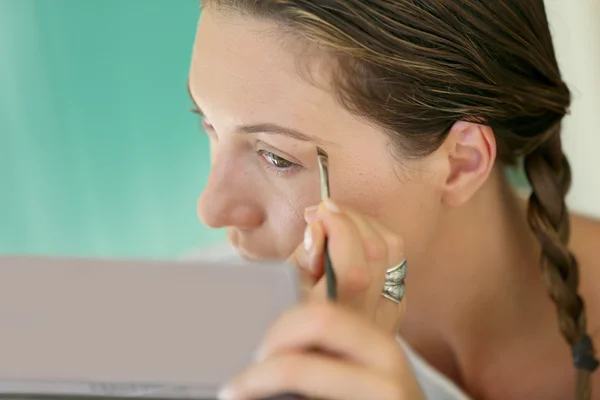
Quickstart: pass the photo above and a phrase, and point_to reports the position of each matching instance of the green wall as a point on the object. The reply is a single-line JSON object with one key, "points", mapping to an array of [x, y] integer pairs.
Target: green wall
{"points": [[99, 155]]}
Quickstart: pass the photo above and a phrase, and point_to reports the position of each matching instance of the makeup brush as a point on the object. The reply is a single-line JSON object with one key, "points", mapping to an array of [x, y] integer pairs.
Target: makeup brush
{"points": [[323, 160]]}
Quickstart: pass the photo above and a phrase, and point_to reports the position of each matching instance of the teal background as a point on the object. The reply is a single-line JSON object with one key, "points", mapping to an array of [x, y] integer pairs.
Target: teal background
{"points": [[99, 154]]}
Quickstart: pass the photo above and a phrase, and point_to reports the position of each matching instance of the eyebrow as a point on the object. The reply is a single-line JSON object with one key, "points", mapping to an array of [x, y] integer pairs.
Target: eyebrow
{"points": [[268, 128]]}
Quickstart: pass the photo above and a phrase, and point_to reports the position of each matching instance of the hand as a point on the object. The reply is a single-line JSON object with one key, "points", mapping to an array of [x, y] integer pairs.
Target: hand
{"points": [[343, 350], [361, 249], [322, 350]]}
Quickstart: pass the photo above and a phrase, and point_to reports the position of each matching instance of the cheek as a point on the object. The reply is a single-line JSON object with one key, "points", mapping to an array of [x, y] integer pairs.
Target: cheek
{"points": [[285, 216], [286, 228], [414, 213], [290, 197], [405, 202]]}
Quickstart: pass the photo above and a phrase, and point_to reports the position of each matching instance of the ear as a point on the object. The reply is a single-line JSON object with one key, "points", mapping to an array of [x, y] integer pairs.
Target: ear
{"points": [[471, 153]]}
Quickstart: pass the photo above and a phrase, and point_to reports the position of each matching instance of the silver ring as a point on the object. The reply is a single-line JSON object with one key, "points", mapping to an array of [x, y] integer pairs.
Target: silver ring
{"points": [[394, 287]]}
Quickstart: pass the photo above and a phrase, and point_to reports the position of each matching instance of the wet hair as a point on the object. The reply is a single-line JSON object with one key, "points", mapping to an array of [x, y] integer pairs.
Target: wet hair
{"points": [[415, 67]]}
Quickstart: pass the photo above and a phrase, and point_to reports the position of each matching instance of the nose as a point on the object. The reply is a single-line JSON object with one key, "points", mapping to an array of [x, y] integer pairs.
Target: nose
{"points": [[229, 199]]}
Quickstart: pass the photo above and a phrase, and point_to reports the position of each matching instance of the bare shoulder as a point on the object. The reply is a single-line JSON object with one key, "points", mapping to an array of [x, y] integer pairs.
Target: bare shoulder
{"points": [[585, 243]]}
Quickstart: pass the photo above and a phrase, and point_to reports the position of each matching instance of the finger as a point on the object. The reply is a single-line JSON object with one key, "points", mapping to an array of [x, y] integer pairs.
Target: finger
{"points": [[373, 241], [393, 241], [334, 330], [376, 250], [346, 250], [308, 256], [384, 249], [389, 313], [314, 376]]}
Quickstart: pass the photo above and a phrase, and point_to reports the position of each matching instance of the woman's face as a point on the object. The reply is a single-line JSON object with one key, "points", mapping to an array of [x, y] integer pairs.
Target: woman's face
{"points": [[264, 122]]}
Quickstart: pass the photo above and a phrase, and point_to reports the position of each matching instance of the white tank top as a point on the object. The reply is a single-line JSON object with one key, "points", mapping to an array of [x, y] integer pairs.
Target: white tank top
{"points": [[434, 384]]}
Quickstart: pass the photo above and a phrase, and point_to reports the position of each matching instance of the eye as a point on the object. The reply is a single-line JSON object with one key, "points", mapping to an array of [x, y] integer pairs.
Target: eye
{"points": [[276, 161]]}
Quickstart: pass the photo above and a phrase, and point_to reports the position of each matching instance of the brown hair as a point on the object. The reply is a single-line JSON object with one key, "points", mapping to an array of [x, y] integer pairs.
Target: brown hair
{"points": [[414, 67]]}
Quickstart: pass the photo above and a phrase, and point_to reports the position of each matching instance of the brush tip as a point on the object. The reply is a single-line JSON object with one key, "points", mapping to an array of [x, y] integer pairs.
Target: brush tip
{"points": [[321, 152]]}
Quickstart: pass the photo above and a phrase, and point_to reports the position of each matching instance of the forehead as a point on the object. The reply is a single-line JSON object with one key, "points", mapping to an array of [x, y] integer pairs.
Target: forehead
{"points": [[241, 65]]}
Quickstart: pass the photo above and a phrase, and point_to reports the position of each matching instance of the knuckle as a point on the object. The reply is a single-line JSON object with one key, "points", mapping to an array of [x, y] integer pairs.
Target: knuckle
{"points": [[347, 209], [375, 249], [355, 280], [395, 244], [348, 224]]}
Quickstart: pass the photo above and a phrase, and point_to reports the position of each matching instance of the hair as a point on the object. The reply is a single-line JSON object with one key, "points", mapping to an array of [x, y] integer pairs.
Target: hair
{"points": [[415, 67]]}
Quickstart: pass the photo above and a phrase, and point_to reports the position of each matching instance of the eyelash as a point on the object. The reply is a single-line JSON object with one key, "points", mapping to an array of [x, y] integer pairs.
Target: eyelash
{"points": [[263, 153]]}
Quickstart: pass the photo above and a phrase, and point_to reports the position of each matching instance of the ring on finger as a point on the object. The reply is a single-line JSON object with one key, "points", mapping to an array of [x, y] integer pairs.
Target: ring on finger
{"points": [[394, 287]]}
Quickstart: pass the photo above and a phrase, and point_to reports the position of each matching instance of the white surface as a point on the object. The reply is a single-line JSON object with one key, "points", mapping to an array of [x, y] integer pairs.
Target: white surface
{"points": [[435, 386], [175, 328], [576, 33]]}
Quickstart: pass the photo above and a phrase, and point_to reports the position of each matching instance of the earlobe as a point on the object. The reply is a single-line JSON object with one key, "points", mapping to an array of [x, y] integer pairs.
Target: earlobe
{"points": [[471, 152]]}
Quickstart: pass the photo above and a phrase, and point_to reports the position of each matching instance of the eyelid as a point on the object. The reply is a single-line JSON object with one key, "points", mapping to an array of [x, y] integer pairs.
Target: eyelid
{"points": [[279, 153], [263, 152]]}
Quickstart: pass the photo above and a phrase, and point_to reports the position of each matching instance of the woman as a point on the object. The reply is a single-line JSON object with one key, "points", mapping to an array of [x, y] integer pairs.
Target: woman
{"points": [[420, 105]]}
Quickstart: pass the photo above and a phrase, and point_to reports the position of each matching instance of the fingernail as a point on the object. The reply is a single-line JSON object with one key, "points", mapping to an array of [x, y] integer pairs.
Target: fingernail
{"points": [[308, 239], [226, 394], [310, 214], [331, 206]]}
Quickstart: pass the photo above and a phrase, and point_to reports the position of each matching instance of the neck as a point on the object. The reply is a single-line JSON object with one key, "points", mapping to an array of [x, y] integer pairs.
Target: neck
{"points": [[484, 258]]}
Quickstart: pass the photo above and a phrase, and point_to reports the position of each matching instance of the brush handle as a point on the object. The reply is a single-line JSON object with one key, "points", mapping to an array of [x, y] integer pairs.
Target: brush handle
{"points": [[330, 274]]}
